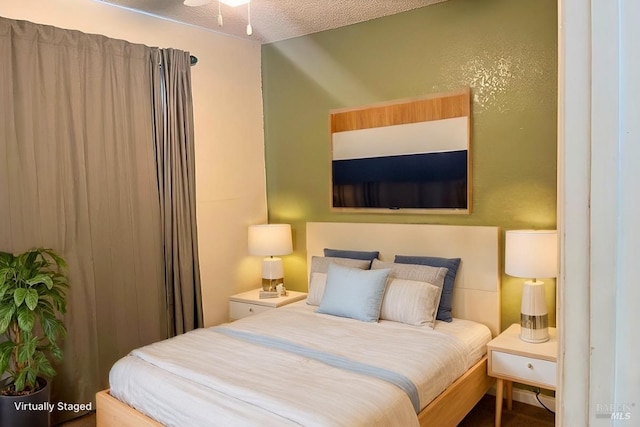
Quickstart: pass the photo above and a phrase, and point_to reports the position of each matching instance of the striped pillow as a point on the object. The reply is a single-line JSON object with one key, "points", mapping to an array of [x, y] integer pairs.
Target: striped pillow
{"points": [[410, 302], [405, 298]]}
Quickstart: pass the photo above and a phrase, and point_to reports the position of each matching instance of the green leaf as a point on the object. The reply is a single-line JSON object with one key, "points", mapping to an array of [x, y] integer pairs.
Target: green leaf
{"points": [[6, 313], [28, 259], [32, 377], [4, 272], [58, 300], [43, 365], [56, 352], [7, 310], [19, 381], [4, 363], [19, 295], [26, 319], [60, 262], [41, 278], [27, 349], [51, 327], [6, 348], [31, 299], [60, 281], [45, 305], [5, 258]]}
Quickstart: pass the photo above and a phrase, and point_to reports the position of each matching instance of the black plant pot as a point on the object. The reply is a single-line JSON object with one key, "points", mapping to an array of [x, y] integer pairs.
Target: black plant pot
{"points": [[27, 411]]}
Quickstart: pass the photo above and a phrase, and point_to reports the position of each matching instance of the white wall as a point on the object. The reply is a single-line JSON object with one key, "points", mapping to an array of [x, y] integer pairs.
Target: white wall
{"points": [[227, 92], [599, 213]]}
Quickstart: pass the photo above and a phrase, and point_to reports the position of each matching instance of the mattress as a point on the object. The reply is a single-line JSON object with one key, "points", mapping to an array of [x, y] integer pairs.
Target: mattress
{"points": [[236, 375]]}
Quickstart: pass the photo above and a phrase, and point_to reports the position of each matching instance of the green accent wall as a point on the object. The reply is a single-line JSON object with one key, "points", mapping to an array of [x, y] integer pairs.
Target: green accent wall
{"points": [[504, 50]]}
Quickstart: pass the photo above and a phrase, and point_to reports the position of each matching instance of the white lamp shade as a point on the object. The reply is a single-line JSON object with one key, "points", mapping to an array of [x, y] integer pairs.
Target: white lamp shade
{"points": [[270, 239], [531, 253]]}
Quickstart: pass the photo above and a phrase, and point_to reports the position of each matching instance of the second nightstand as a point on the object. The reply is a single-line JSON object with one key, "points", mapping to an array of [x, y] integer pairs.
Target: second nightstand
{"points": [[511, 359], [249, 303]]}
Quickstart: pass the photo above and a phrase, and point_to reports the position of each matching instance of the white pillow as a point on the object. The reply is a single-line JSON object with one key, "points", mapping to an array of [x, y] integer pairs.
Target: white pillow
{"points": [[318, 276], [410, 302], [420, 273]]}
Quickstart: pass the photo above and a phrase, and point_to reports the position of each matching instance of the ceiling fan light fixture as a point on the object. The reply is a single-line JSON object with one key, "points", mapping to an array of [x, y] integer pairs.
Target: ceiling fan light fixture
{"points": [[195, 3], [231, 3], [234, 3]]}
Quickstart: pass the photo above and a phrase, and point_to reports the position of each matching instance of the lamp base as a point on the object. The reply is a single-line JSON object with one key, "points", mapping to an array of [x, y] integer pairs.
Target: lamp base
{"points": [[269, 285], [272, 273], [534, 320], [534, 329]]}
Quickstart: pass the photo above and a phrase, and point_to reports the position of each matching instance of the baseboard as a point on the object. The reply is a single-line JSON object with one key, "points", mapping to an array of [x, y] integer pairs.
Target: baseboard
{"points": [[529, 397]]}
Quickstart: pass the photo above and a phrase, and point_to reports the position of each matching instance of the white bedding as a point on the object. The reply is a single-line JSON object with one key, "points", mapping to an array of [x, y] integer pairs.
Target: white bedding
{"points": [[206, 378]]}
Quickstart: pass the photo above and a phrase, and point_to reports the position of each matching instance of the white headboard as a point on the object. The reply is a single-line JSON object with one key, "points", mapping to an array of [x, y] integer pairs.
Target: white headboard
{"points": [[476, 294]]}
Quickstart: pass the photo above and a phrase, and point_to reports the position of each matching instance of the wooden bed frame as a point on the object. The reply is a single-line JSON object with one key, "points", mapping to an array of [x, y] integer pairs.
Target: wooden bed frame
{"points": [[448, 409], [476, 297]]}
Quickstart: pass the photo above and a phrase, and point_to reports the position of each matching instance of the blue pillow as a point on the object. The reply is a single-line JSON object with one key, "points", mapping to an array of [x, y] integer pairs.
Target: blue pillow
{"points": [[341, 253], [354, 293], [451, 264]]}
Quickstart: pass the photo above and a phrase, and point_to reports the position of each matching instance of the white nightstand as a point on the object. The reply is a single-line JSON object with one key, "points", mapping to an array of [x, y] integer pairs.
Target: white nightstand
{"points": [[511, 359], [249, 303]]}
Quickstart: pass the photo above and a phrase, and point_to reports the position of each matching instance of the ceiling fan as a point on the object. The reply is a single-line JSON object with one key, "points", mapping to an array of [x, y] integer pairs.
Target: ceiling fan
{"points": [[232, 3]]}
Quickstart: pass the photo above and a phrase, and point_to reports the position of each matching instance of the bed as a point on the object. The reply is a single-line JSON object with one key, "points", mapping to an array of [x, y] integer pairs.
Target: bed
{"points": [[294, 366]]}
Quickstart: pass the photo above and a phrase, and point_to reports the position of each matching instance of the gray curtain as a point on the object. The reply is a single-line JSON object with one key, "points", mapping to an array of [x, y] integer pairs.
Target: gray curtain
{"points": [[175, 162], [78, 174]]}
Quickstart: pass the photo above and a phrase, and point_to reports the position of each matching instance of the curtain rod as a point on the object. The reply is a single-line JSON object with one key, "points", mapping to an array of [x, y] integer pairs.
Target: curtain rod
{"points": [[193, 60]]}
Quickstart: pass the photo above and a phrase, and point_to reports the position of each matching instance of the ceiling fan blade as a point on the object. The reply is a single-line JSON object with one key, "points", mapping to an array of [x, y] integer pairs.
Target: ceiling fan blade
{"points": [[195, 3]]}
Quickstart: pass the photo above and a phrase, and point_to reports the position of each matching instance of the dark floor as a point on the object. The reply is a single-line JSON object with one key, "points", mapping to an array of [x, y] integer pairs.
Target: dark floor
{"points": [[522, 415], [483, 415]]}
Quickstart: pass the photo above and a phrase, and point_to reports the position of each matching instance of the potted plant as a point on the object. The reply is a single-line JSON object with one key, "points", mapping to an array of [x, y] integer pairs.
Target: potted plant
{"points": [[32, 296]]}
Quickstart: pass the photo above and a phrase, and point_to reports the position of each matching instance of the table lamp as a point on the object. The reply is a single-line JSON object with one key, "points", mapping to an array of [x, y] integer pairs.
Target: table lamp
{"points": [[532, 254], [270, 240]]}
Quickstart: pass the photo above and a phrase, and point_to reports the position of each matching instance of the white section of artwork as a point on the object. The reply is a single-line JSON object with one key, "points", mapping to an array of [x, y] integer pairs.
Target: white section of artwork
{"points": [[414, 138]]}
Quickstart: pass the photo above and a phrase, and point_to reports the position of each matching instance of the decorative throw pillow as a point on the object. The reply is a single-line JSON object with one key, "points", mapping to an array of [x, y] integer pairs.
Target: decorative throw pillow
{"points": [[341, 253], [316, 288], [353, 293], [318, 276], [410, 302], [420, 273], [451, 264]]}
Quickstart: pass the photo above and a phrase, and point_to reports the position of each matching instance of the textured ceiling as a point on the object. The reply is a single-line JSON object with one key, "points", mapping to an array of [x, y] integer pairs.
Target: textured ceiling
{"points": [[274, 20]]}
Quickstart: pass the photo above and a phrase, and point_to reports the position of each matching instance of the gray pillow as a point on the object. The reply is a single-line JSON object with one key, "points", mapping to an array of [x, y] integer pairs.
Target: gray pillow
{"points": [[451, 264], [321, 264]]}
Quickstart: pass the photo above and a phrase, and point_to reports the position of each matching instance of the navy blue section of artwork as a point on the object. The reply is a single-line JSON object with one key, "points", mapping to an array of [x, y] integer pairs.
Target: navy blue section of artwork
{"points": [[446, 166], [431, 180]]}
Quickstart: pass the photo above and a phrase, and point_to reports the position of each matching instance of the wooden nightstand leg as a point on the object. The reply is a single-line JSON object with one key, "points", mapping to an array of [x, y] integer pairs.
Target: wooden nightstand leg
{"points": [[509, 393], [499, 397]]}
